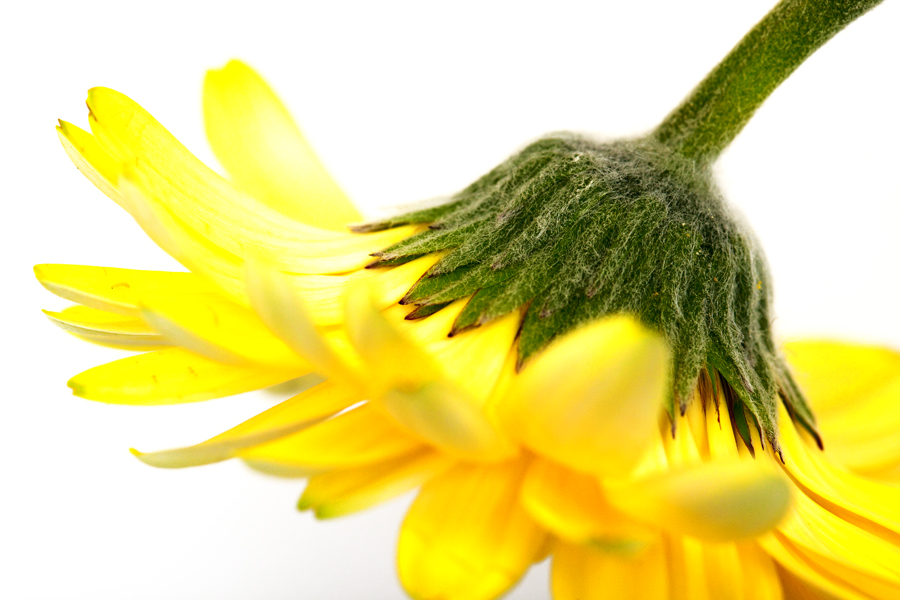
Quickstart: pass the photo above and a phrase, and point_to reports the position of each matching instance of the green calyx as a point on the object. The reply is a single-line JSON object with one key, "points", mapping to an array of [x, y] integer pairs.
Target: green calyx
{"points": [[570, 230]]}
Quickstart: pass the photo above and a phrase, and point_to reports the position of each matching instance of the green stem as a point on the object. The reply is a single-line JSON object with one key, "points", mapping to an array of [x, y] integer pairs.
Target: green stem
{"points": [[716, 111]]}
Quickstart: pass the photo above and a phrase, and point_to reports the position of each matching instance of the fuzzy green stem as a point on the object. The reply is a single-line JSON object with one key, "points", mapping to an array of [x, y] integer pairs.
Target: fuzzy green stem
{"points": [[717, 109]]}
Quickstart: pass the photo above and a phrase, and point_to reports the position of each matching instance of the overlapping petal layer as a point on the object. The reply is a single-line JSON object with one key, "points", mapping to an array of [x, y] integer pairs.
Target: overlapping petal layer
{"points": [[573, 456]]}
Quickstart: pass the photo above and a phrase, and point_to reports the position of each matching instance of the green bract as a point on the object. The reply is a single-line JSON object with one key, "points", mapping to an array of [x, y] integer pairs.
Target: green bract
{"points": [[571, 230]]}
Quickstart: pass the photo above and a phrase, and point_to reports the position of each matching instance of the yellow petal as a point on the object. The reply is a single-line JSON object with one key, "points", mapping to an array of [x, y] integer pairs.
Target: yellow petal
{"points": [[185, 245], [572, 506], [91, 159], [474, 359], [263, 150], [394, 360], [447, 417], [107, 329], [111, 176], [171, 376], [359, 436], [833, 374], [169, 176], [344, 491], [466, 536], [719, 433], [703, 571], [718, 501], [592, 399], [854, 391], [870, 505], [218, 329], [117, 290], [862, 559], [413, 387], [584, 573], [282, 470], [291, 416], [803, 580], [760, 576], [286, 314]]}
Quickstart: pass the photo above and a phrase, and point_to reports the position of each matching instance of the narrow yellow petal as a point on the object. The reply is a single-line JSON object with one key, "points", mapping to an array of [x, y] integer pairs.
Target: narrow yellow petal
{"points": [[810, 586], [282, 470], [833, 374], [466, 536], [859, 557], [703, 571], [717, 501], [359, 436], [210, 325], [91, 159], [112, 176], [394, 360], [414, 388], [117, 290], [287, 315], [255, 139], [447, 417], [868, 504], [185, 245], [584, 573], [107, 329], [854, 391], [802, 579], [345, 491], [688, 573], [171, 376], [169, 176], [719, 433], [291, 416], [474, 359], [592, 399], [572, 506], [760, 576]]}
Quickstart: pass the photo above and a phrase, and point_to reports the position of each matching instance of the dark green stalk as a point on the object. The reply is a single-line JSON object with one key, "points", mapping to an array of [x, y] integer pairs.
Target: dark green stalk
{"points": [[716, 111]]}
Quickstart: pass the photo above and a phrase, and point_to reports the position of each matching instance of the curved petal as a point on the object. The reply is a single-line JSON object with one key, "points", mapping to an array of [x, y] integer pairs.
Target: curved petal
{"points": [[285, 313], [717, 501], [170, 376], [862, 559], [854, 391], [117, 290], [591, 401], [219, 329], [345, 491], [466, 536], [572, 506], [584, 573], [91, 159], [168, 175], [286, 418], [703, 571], [356, 437], [799, 574], [263, 150], [107, 329], [412, 386], [870, 505]]}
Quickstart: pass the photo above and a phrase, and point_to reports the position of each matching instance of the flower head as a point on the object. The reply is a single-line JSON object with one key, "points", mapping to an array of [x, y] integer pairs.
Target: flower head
{"points": [[636, 458]]}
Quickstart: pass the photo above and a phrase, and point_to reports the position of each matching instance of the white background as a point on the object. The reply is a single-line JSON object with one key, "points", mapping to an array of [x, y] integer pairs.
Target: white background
{"points": [[404, 102]]}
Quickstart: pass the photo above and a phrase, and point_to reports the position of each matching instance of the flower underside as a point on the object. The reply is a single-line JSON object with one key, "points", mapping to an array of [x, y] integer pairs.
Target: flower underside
{"points": [[570, 230], [566, 455]]}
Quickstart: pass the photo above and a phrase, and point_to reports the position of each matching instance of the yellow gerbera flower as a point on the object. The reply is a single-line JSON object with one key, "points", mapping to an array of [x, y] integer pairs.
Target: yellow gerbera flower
{"points": [[566, 457], [587, 371]]}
